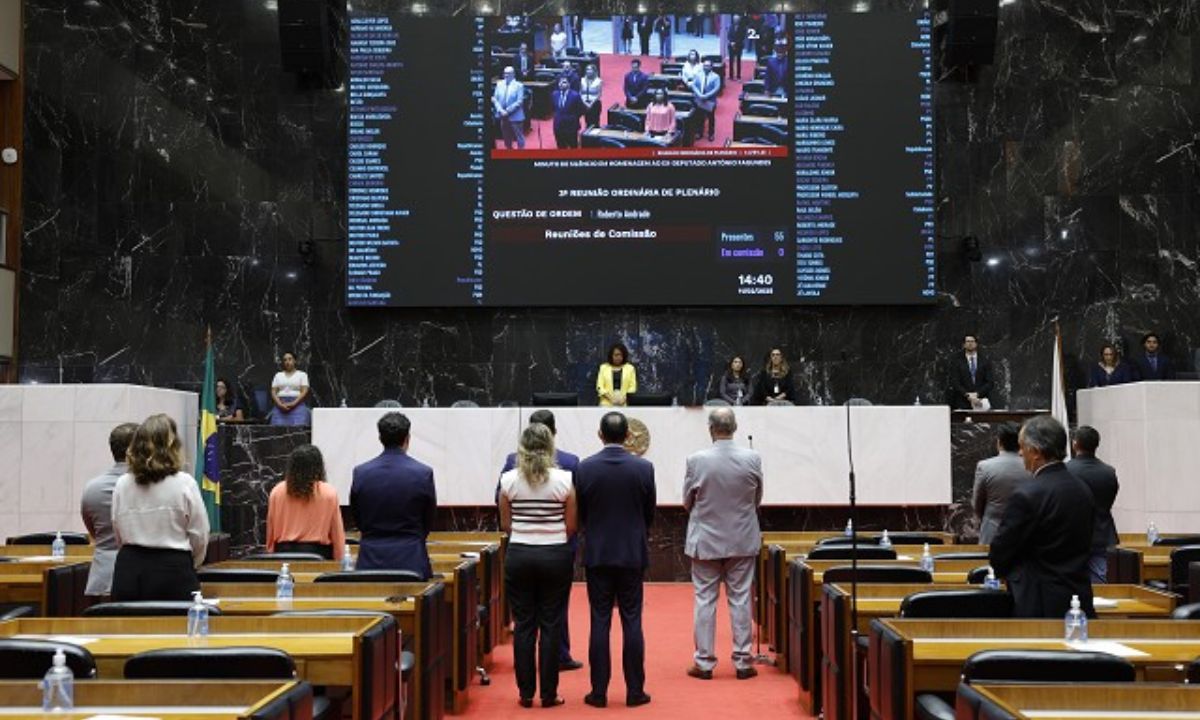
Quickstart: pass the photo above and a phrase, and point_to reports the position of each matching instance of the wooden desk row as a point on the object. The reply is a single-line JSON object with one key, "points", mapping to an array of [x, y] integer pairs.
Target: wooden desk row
{"points": [[167, 699], [1116, 701]]}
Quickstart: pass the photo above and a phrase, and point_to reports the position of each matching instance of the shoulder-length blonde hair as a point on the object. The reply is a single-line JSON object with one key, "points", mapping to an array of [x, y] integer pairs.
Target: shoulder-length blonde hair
{"points": [[535, 454], [155, 452]]}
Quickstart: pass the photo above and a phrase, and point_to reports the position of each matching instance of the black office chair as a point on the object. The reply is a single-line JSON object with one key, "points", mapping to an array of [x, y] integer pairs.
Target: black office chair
{"points": [[846, 539], [1187, 612], [236, 575], [877, 574], [376, 576], [657, 83], [762, 109], [754, 87], [607, 142], [846, 552], [1041, 666], [916, 538], [957, 604], [1181, 557], [682, 104], [545, 75], [144, 608], [12, 611], [977, 575], [1193, 672], [46, 538], [211, 663], [776, 134], [624, 121], [283, 557], [1173, 541], [756, 140], [30, 659]]}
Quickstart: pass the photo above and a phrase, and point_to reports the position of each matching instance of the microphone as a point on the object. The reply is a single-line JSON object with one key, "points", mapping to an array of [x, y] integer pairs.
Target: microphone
{"points": [[751, 439]]}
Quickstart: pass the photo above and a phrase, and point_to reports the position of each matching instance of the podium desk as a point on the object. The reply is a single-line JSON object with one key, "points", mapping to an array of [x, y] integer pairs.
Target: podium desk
{"points": [[166, 699], [1098, 701], [345, 651]]}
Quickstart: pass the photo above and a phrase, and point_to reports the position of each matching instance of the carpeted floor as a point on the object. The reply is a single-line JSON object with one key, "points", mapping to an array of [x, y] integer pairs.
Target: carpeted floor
{"points": [[668, 627]]}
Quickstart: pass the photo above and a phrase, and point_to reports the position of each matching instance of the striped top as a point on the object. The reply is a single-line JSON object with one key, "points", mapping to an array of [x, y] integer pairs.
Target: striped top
{"points": [[538, 514]]}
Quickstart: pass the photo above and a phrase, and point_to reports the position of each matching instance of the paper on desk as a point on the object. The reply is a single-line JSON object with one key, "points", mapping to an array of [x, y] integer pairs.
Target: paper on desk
{"points": [[1106, 646], [68, 639], [119, 717], [1100, 602]]}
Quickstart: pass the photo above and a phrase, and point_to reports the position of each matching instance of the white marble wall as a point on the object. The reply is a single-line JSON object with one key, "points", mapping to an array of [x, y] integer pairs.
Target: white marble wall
{"points": [[1150, 432], [902, 454], [54, 438]]}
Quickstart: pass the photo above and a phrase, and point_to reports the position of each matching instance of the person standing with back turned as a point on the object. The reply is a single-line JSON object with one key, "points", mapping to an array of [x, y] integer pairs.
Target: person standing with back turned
{"points": [[617, 500], [1101, 479]]}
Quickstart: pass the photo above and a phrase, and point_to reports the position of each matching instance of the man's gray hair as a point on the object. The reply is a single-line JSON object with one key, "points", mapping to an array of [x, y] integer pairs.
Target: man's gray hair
{"points": [[1046, 435], [722, 421]]}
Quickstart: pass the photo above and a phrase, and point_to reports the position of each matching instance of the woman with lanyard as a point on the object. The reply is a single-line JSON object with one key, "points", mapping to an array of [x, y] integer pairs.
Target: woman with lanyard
{"points": [[590, 88]]}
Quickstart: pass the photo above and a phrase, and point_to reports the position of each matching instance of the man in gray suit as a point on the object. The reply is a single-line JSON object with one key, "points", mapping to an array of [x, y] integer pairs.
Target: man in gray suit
{"points": [[705, 87], [1101, 479], [722, 490], [995, 480], [508, 102], [96, 508]]}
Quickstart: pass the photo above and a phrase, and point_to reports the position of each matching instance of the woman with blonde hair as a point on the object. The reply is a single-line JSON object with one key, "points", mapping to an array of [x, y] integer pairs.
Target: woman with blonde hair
{"points": [[303, 514], [159, 519], [774, 384], [537, 510]]}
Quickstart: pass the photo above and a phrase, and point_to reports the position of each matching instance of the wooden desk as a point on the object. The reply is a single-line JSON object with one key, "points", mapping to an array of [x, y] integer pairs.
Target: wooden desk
{"points": [[913, 656], [345, 651], [1100, 701], [681, 116], [73, 551], [812, 536], [167, 699], [54, 585], [835, 649], [591, 136]]}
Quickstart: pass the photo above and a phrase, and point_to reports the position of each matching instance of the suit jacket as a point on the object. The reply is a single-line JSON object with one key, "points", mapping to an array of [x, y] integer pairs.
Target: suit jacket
{"points": [[567, 111], [604, 382], [394, 502], [523, 66], [1143, 371], [96, 508], [777, 76], [705, 89], [616, 498], [645, 26], [961, 382], [1121, 374], [722, 489], [1101, 479], [509, 98], [572, 79], [636, 84], [736, 35], [995, 480], [1044, 543]]}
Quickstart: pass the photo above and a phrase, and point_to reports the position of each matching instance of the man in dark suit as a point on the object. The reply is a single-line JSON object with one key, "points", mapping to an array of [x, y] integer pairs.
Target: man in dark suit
{"points": [[970, 377], [616, 498], [1152, 365], [778, 77], [1101, 479], [571, 74], [735, 36], [394, 502], [523, 64], [637, 83], [1045, 537], [570, 463], [568, 108], [645, 26]]}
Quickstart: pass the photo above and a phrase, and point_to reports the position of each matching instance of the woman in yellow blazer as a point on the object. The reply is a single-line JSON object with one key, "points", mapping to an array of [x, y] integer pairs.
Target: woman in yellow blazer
{"points": [[616, 378]]}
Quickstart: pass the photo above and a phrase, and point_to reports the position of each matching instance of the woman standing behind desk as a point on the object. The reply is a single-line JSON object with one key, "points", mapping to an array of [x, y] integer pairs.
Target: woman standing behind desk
{"points": [[1111, 370], [289, 391], [660, 115], [617, 378], [302, 511], [159, 519]]}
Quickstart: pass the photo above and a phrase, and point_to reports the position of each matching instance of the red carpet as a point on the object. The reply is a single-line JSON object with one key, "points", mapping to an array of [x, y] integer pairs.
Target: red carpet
{"points": [[668, 627], [612, 72]]}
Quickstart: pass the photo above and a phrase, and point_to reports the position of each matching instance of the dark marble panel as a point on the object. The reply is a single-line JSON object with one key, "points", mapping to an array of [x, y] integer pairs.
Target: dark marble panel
{"points": [[253, 460]]}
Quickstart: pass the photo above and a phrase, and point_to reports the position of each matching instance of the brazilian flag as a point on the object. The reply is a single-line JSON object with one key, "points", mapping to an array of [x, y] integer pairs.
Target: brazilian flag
{"points": [[208, 466]]}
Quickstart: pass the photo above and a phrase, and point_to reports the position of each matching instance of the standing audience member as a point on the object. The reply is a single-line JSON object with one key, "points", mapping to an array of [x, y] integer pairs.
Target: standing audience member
{"points": [[303, 514], [289, 392], [1152, 365], [590, 89], [970, 377], [537, 509], [394, 503], [159, 519], [1044, 542], [691, 67], [637, 83], [558, 42], [524, 63], [722, 489], [1110, 370], [778, 77], [660, 115], [735, 382], [774, 384], [616, 380], [735, 36], [95, 506], [617, 501], [508, 103], [995, 480], [567, 110], [627, 34], [662, 26], [705, 87], [644, 29], [1101, 479]]}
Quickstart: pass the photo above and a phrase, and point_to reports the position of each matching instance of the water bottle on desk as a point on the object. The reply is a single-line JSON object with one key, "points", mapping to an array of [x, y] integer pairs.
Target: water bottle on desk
{"points": [[285, 586], [1152, 533], [347, 559], [991, 582], [926, 559], [58, 685], [1075, 623], [849, 528], [58, 548], [884, 540], [197, 622]]}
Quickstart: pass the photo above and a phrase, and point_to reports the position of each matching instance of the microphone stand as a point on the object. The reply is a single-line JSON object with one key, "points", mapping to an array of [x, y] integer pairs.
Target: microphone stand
{"points": [[760, 657], [853, 532]]}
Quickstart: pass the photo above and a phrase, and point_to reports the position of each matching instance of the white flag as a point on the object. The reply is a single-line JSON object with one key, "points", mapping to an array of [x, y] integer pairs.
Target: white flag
{"points": [[1058, 389]]}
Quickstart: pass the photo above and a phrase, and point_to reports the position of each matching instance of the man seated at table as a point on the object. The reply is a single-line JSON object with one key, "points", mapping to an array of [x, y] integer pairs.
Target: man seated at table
{"points": [[637, 85], [394, 502], [1045, 538]]}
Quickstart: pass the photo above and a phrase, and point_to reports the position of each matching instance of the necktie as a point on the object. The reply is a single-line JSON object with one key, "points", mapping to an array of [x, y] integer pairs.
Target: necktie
{"points": [[972, 368], [1153, 362]]}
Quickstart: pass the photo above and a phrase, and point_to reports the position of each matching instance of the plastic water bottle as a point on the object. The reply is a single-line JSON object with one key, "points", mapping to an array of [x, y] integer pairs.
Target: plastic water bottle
{"points": [[347, 558], [344, 403], [884, 540], [917, 402], [58, 685], [849, 528], [926, 559], [1152, 533], [58, 548], [991, 582], [197, 622], [285, 586], [1075, 623]]}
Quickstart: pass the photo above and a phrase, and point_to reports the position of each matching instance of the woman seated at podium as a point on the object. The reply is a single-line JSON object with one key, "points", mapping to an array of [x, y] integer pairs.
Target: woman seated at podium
{"points": [[302, 512], [1111, 370], [228, 407], [616, 378], [735, 383], [289, 391], [774, 384], [660, 115], [159, 519]]}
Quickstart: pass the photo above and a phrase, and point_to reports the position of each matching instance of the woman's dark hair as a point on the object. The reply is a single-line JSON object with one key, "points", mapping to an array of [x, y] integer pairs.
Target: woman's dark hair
{"points": [[657, 93], [285, 353], [691, 53], [783, 363], [230, 394], [155, 452], [1109, 346], [305, 469], [729, 368], [618, 346]]}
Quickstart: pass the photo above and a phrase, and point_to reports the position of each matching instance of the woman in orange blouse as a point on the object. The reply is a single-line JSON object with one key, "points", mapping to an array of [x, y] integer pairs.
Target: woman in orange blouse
{"points": [[303, 513], [660, 115]]}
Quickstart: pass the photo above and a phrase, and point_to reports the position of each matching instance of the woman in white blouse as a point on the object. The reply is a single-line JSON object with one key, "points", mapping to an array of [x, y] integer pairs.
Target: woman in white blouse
{"points": [[558, 42], [691, 68], [590, 88], [537, 509], [289, 393], [159, 519]]}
